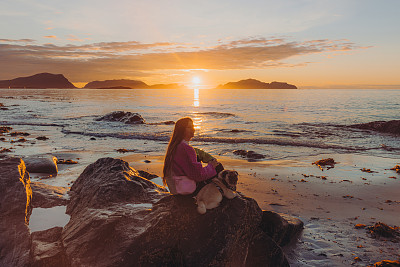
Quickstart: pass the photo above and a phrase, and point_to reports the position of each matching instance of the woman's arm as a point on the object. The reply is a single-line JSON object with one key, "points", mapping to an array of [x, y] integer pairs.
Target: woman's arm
{"points": [[185, 163]]}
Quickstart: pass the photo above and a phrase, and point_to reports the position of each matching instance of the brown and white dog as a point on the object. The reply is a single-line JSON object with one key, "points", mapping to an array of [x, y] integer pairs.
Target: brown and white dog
{"points": [[210, 196]]}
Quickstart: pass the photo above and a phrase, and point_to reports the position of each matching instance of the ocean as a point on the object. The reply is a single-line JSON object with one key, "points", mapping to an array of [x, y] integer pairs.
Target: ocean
{"points": [[279, 124]]}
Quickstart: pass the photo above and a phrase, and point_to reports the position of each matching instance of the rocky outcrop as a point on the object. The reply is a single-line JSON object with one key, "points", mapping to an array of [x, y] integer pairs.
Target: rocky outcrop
{"points": [[15, 209], [134, 84], [392, 127], [38, 81], [122, 116], [47, 196], [119, 218], [41, 164], [136, 222], [255, 84]]}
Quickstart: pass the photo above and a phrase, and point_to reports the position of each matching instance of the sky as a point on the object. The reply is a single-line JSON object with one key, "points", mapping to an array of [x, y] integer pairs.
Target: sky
{"points": [[308, 43]]}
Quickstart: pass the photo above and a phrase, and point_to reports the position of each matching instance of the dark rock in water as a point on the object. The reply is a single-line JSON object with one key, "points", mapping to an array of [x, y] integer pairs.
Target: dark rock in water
{"points": [[43, 138], [47, 196], [41, 164], [124, 150], [248, 154], [92, 138], [122, 116], [15, 209], [281, 227], [392, 127], [47, 248], [19, 133], [66, 161], [396, 168], [3, 150]]}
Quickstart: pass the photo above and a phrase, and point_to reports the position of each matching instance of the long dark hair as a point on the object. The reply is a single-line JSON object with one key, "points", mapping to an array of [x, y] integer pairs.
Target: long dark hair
{"points": [[176, 139]]}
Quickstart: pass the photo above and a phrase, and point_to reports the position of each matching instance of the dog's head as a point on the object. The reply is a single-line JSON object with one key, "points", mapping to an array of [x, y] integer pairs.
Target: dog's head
{"points": [[230, 177]]}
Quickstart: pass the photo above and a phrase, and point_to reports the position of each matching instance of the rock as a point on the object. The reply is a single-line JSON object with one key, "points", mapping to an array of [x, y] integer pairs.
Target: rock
{"points": [[147, 175], [380, 229], [47, 248], [66, 161], [110, 181], [43, 138], [4, 150], [281, 227], [122, 116], [387, 263], [392, 127], [123, 150], [159, 229], [248, 154], [5, 129], [47, 196], [15, 209], [396, 168], [19, 133], [330, 162], [41, 164]]}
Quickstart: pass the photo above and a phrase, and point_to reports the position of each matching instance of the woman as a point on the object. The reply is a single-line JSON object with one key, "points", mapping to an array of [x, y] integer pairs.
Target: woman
{"points": [[181, 160]]}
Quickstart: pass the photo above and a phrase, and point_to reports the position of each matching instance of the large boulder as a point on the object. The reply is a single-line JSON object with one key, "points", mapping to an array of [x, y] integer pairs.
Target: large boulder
{"points": [[122, 116], [41, 164], [15, 209], [392, 127], [121, 219], [48, 196]]}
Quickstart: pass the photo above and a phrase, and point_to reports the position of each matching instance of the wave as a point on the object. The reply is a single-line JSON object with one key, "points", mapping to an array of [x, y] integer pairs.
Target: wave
{"points": [[164, 137], [32, 123], [219, 115]]}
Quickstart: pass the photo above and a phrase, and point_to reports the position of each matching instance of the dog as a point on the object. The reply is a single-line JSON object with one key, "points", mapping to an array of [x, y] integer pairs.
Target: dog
{"points": [[210, 196]]}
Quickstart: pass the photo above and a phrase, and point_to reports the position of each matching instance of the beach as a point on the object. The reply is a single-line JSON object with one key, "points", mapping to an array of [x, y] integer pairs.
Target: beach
{"points": [[330, 201]]}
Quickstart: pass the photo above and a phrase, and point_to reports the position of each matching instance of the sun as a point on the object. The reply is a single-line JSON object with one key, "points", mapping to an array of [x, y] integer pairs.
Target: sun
{"points": [[196, 80]]}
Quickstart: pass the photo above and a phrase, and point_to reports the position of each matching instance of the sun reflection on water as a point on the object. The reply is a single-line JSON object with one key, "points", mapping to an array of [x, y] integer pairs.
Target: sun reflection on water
{"points": [[196, 98]]}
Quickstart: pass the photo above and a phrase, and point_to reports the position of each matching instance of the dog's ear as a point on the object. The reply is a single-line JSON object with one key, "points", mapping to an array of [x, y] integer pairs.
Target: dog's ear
{"points": [[223, 174]]}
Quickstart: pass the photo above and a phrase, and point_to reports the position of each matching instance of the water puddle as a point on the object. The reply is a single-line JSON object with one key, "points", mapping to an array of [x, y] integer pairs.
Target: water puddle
{"points": [[43, 219]]}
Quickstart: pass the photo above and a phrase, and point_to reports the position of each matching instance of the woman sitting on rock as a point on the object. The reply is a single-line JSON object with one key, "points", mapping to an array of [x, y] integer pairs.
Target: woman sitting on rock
{"points": [[182, 172]]}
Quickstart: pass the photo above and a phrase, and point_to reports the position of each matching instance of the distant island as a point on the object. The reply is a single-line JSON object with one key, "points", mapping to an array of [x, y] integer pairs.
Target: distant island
{"points": [[58, 81], [130, 84], [38, 81], [255, 84]]}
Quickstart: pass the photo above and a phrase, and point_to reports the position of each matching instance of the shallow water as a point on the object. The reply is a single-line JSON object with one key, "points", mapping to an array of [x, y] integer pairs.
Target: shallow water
{"points": [[280, 124]]}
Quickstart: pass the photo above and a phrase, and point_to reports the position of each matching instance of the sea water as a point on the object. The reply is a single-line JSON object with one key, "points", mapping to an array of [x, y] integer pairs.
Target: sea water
{"points": [[280, 124]]}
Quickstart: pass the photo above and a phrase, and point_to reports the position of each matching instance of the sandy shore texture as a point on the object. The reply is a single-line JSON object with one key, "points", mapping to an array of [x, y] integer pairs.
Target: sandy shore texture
{"points": [[330, 202]]}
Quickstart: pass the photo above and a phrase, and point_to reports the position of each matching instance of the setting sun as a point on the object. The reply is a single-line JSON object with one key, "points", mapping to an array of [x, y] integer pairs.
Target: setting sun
{"points": [[196, 80]]}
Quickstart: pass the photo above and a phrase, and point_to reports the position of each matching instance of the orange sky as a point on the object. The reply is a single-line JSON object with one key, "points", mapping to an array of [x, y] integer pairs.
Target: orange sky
{"points": [[312, 44]]}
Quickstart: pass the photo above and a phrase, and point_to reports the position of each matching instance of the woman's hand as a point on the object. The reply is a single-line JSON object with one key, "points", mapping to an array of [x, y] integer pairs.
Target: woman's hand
{"points": [[214, 163]]}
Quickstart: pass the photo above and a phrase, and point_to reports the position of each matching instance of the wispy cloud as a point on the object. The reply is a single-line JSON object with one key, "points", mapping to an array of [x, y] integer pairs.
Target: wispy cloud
{"points": [[50, 36], [115, 59]]}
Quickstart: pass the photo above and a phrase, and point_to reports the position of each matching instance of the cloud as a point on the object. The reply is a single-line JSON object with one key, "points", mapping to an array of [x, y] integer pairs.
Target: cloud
{"points": [[129, 59], [50, 36], [17, 40]]}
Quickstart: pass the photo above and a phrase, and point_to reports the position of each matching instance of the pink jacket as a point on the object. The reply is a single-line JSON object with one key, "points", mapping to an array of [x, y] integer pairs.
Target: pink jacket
{"points": [[185, 164]]}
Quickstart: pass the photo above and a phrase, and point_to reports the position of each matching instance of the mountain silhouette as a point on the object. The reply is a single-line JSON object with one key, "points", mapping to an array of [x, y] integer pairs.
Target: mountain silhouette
{"points": [[255, 84], [38, 81]]}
